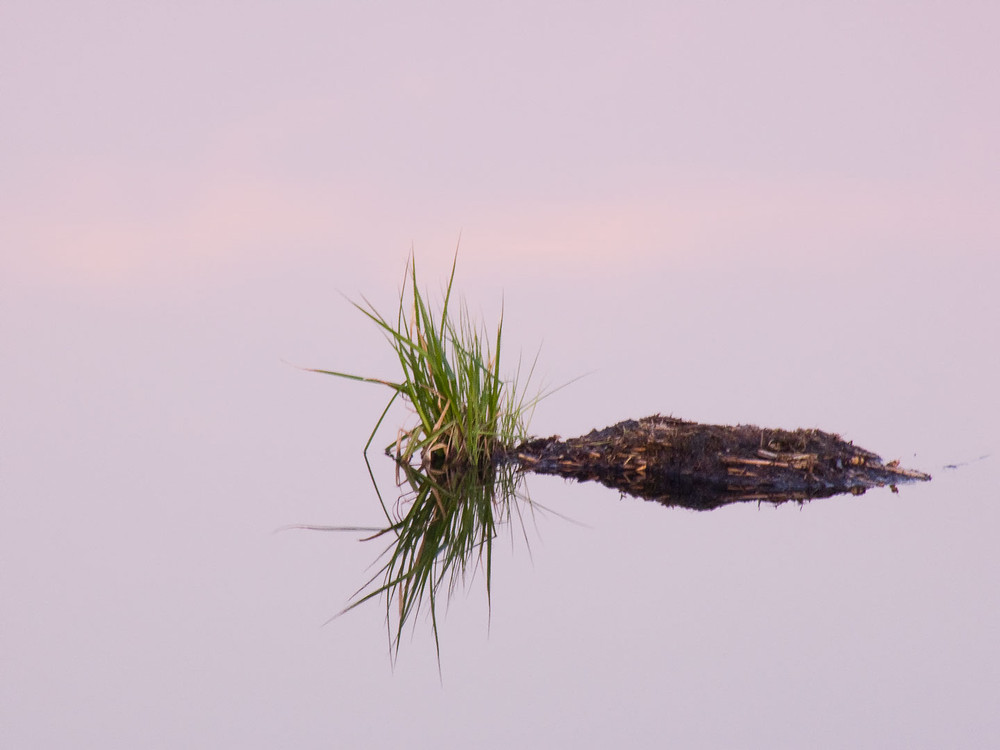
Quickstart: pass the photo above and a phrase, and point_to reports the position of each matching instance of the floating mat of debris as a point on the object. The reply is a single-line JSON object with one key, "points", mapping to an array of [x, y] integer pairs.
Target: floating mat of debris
{"points": [[701, 466]]}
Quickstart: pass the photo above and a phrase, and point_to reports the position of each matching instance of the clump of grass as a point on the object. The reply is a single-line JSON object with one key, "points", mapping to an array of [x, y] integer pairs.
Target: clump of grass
{"points": [[459, 489], [451, 379]]}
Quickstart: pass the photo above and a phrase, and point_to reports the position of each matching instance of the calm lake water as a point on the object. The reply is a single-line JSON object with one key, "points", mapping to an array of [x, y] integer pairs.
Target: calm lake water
{"points": [[160, 443], [775, 242]]}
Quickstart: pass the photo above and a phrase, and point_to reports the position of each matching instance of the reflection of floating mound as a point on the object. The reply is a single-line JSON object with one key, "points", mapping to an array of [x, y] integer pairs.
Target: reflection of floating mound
{"points": [[705, 466]]}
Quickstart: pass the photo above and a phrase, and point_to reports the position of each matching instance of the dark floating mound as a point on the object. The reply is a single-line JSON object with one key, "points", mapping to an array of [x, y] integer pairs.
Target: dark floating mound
{"points": [[702, 466]]}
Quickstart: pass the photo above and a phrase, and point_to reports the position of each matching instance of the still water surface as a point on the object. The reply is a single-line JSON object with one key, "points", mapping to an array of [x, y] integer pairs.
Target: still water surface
{"points": [[154, 599], [769, 213]]}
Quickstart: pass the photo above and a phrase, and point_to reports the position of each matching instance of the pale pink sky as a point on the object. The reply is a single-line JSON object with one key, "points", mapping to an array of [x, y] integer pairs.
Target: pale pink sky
{"points": [[748, 212], [146, 135]]}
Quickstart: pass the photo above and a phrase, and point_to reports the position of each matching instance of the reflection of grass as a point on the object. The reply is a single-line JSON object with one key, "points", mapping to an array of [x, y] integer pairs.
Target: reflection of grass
{"points": [[448, 525], [458, 488]]}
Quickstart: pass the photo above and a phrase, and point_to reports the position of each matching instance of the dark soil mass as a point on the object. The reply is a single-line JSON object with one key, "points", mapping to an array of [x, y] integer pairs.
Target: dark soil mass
{"points": [[701, 466]]}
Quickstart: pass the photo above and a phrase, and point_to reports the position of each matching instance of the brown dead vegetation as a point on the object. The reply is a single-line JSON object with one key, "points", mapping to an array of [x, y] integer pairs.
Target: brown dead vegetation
{"points": [[701, 466]]}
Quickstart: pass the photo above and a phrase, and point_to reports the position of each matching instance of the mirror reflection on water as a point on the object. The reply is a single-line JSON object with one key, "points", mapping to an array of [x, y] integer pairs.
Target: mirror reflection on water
{"points": [[461, 466], [146, 575], [772, 214]]}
